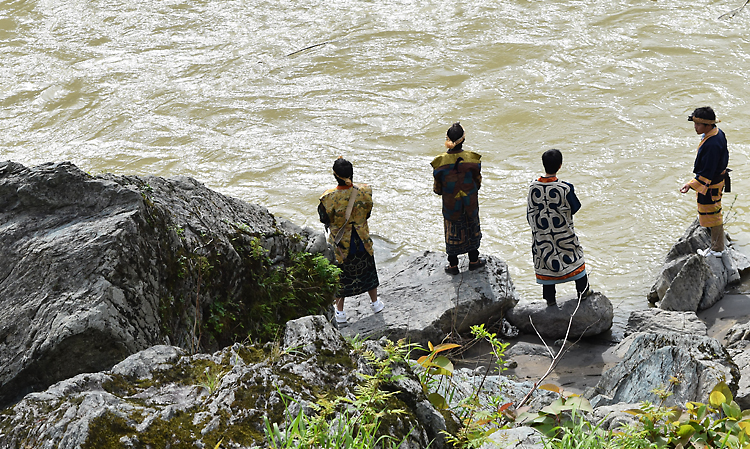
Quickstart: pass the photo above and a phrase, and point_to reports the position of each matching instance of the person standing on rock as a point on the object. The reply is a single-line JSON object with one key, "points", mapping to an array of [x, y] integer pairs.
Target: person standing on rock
{"points": [[558, 257], [710, 181], [457, 178], [345, 210]]}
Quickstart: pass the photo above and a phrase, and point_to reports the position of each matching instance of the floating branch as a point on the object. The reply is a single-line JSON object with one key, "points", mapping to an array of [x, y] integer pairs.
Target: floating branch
{"points": [[316, 45], [735, 11]]}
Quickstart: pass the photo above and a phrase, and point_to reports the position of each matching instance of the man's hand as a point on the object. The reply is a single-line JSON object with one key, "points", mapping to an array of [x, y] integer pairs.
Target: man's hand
{"points": [[685, 188]]}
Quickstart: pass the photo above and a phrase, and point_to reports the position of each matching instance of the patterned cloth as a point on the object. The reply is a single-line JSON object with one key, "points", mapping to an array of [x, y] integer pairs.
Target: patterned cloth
{"points": [[558, 257], [462, 236], [358, 271], [710, 170], [332, 212], [457, 178]]}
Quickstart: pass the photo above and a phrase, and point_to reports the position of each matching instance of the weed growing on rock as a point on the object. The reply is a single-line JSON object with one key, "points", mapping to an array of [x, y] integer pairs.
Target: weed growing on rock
{"points": [[718, 424], [275, 293], [211, 378], [557, 419], [345, 422]]}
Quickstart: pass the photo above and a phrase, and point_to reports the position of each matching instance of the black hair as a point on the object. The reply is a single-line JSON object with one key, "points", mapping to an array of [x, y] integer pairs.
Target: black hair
{"points": [[343, 169], [552, 160], [705, 113], [454, 133]]}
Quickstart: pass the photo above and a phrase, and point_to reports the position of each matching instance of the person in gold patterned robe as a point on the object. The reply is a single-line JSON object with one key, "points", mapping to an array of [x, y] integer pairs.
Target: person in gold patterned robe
{"points": [[354, 251]]}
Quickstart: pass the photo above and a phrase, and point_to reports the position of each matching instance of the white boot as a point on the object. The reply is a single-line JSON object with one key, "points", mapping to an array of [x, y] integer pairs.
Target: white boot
{"points": [[732, 274]]}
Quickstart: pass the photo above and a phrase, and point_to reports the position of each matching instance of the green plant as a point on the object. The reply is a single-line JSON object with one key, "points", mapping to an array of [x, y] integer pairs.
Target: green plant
{"points": [[437, 369], [559, 415], [344, 422], [274, 294], [719, 424], [498, 347], [580, 434], [478, 420], [211, 378], [179, 230]]}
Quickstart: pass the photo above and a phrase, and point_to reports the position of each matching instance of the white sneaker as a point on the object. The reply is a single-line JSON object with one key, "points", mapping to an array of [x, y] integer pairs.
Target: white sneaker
{"points": [[709, 252], [377, 306], [340, 316]]}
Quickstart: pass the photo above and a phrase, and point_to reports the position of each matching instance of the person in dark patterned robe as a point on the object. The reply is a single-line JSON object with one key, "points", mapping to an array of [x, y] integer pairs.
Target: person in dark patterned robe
{"points": [[558, 257], [710, 170], [457, 178], [710, 181]]}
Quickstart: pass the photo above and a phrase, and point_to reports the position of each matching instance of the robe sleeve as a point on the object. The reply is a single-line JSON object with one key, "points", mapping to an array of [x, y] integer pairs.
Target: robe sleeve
{"points": [[575, 204], [323, 214]]}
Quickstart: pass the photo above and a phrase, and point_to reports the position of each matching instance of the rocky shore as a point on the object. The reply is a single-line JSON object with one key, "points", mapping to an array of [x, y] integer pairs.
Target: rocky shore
{"points": [[108, 334]]}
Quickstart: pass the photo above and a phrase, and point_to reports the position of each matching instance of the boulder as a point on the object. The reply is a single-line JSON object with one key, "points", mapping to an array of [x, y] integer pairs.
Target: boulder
{"points": [[737, 342], [691, 282], [650, 361], [96, 268], [425, 304], [160, 398], [659, 321], [740, 352], [593, 317], [737, 333]]}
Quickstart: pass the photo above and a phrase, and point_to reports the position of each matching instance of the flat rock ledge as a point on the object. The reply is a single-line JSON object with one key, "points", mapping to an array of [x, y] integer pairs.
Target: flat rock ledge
{"points": [[425, 304], [659, 321], [592, 317]]}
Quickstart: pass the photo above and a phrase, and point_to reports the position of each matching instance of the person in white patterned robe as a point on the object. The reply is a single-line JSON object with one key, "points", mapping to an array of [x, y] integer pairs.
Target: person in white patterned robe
{"points": [[558, 256]]}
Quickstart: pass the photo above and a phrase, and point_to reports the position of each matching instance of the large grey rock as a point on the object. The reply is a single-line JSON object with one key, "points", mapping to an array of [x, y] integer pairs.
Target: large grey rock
{"points": [[158, 399], [592, 317], [650, 360], [658, 321], [737, 333], [141, 364], [423, 303], [691, 282], [740, 352], [687, 289], [737, 342], [94, 269]]}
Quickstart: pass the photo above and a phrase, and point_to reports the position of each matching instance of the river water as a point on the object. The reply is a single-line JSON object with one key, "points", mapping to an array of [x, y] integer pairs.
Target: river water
{"points": [[228, 92]]}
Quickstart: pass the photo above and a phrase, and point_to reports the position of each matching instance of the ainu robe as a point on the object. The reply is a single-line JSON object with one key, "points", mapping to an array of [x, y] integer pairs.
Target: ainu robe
{"points": [[710, 171], [558, 257], [334, 203], [457, 178]]}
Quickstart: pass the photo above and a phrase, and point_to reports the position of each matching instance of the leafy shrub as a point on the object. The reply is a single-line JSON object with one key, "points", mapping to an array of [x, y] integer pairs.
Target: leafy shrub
{"points": [[344, 423], [275, 295]]}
